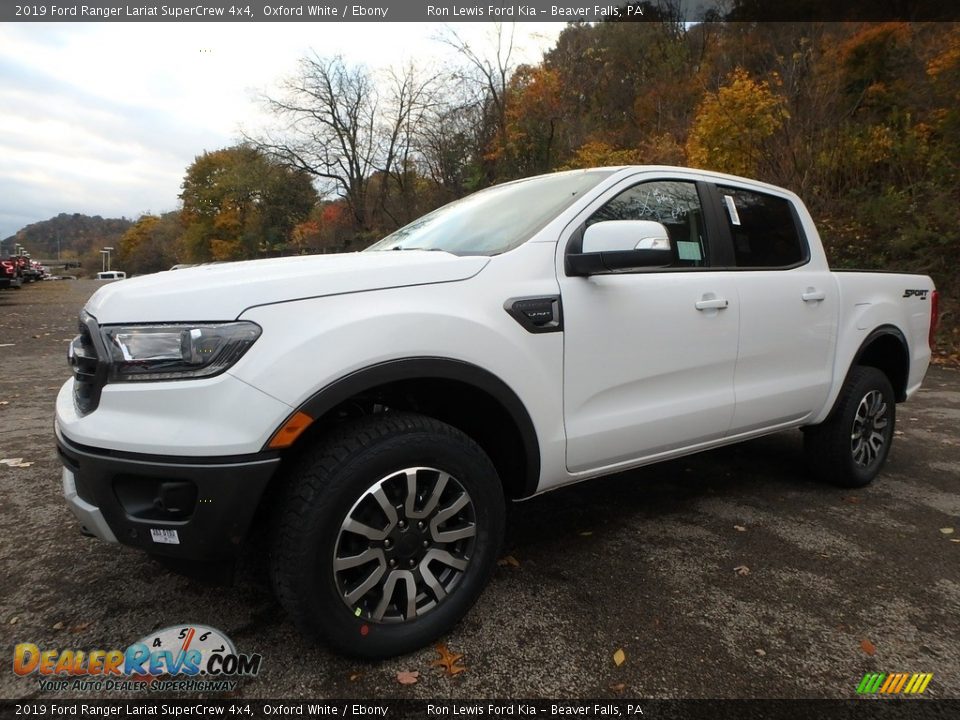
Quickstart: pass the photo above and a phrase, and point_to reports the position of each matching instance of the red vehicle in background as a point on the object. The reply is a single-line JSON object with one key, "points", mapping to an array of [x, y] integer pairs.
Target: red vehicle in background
{"points": [[10, 274]]}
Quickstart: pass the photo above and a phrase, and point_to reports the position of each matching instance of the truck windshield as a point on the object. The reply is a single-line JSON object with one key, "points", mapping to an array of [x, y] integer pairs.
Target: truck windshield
{"points": [[494, 220]]}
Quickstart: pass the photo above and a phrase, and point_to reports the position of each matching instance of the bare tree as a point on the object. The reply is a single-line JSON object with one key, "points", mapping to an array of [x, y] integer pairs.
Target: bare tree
{"points": [[490, 77], [447, 144], [349, 127], [413, 95], [329, 128]]}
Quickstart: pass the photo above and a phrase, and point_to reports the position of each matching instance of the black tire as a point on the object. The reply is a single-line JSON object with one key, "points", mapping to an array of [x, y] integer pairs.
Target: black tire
{"points": [[851, 446], [349, 477]]}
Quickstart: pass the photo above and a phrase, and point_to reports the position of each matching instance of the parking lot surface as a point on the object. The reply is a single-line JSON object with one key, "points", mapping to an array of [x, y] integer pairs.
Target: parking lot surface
{"points": [[729, 574]]}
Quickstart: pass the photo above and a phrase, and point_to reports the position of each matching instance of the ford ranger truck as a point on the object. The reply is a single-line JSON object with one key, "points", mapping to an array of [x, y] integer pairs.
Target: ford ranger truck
{"points": [[375, 410]]}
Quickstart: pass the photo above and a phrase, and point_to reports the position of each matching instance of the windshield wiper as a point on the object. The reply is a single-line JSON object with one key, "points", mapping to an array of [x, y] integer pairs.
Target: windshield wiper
{"points": [[425, 249]]}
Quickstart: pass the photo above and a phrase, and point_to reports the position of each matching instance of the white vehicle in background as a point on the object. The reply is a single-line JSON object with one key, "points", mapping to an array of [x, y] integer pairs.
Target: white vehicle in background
{"points": [[375, 409], [112, 275]]}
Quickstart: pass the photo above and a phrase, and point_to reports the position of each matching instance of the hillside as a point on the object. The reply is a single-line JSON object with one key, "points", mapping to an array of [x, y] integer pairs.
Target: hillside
{"points": [[75, 234]]}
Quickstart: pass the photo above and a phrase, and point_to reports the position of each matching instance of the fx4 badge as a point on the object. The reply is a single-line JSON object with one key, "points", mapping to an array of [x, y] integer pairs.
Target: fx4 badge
{"points": [[922, 294]]}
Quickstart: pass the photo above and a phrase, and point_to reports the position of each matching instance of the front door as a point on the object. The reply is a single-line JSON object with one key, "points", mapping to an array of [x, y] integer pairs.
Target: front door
{"points": [[649, 356]]}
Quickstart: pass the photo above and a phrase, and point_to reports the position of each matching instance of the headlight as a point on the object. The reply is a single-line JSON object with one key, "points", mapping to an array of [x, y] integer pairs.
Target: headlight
{"points": [[172, 352]]}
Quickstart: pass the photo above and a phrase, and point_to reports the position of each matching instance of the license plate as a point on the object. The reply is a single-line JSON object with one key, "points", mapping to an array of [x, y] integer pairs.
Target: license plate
{"points": [[167, 537]]}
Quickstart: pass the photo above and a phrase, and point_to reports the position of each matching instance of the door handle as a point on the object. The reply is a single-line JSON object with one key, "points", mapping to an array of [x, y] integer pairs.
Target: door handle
{"points": [[813, 295], [711, 304]]}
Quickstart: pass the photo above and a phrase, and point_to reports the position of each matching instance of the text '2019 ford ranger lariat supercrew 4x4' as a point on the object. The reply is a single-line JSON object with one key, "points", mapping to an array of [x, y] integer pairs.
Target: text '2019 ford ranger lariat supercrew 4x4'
{"points": [[377, 408]]}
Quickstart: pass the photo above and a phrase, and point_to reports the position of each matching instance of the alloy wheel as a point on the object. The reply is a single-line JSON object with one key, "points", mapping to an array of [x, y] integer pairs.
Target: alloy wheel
{"points": [[868, 435], [405, 545]]}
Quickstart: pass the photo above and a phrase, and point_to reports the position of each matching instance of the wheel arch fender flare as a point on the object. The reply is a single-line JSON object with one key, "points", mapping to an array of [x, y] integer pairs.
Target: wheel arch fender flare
{"points": [[900, 364], [436, 368]]}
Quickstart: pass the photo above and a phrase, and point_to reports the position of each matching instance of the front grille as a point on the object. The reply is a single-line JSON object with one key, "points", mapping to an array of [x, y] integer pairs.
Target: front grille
{"points": [[89, 371]]}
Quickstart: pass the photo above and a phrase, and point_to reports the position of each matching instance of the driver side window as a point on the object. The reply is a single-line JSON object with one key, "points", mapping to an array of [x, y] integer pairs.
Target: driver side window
{"points": [[672, 203]]}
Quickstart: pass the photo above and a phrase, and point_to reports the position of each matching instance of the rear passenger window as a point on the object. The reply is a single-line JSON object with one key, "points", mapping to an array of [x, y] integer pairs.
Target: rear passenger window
{"points": [[763, 229]]}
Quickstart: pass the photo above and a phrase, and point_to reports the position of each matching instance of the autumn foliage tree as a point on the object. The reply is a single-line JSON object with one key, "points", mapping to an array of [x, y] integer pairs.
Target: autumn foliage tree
{"points": [[238, 203], [150, 245], [733, 126], [533, 120]]}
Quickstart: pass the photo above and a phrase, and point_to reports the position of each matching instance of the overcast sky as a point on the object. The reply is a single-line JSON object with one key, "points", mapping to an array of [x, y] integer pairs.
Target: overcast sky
{"points": [[104, 118]]}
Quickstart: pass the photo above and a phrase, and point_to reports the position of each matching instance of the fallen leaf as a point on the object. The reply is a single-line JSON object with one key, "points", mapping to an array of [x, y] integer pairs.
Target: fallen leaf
{"points": [[4, 402], [741, 570], [14, 620], [356, 676], [15, 462], [448, 661], [508, 560], [619, 657], [956, 540], [406, 677], [58, 626], [739, 528], [761, 652], [868, 647], [80, 627], [947, 531], [618, 687]]}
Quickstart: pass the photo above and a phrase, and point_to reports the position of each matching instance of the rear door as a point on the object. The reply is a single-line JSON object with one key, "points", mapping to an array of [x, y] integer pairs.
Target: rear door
{"points": [[649, 355], [788, 310]]}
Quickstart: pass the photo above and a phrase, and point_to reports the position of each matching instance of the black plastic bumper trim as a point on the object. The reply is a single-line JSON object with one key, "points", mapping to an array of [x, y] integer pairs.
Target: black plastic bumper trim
{"points": [[228, 496]]}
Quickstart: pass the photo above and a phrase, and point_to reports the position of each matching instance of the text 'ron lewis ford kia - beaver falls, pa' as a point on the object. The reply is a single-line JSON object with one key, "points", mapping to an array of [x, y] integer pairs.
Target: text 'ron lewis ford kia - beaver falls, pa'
{"points": [[375, 410]]}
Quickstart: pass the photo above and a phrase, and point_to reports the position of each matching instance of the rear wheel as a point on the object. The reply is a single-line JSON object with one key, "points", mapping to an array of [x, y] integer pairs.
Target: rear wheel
{"points": [[850, 448], [387, 535]]}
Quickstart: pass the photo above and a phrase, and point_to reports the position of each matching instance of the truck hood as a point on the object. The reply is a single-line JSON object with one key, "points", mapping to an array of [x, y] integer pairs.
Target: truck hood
{"points": [[223, 291]]}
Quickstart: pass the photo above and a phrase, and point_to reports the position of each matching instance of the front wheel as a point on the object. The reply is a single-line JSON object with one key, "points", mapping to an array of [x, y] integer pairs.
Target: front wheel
{"points": [[388, 532], [849, 449]]}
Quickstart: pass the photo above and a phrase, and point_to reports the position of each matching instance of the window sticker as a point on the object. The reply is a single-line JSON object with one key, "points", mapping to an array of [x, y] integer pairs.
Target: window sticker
{"points": [[732, 209], [687, 250]]}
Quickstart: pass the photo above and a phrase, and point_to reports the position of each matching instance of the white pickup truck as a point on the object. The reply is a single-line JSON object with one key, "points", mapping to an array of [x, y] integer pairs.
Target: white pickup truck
{"points": [[375, 409]]}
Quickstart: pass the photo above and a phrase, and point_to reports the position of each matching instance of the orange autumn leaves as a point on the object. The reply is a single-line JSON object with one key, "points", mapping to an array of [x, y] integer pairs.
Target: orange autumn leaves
{"points": [[449, 662]]}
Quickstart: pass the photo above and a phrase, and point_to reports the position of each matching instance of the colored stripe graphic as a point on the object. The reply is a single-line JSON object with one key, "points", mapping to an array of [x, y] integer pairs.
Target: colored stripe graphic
{"points": [[894, 683], [870, 683], [890, 682], [922, 682]]}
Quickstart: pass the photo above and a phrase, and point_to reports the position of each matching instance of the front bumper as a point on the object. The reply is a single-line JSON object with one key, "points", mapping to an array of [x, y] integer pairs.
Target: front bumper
{"points": [[187, 508]]}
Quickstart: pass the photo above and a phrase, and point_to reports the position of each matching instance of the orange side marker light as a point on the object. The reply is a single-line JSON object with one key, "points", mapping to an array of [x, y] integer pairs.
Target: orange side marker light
{"points": [[290, 430]]}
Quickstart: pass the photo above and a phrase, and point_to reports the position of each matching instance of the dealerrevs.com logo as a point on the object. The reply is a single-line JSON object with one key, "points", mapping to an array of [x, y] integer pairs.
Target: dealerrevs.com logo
{"points": [[180, 658]]}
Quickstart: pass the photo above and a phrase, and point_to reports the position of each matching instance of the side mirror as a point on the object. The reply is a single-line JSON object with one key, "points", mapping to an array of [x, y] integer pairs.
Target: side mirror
{"points": [[621, 245]]}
